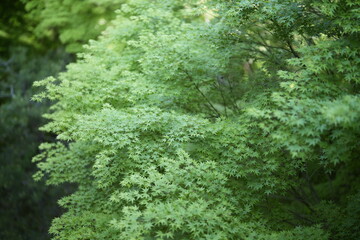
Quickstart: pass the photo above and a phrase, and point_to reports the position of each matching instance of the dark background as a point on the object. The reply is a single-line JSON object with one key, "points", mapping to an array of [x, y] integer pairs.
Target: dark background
{"points": [[26, 207]]}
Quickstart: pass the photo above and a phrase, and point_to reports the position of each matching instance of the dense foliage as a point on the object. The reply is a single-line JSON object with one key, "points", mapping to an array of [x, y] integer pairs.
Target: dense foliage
{"points": [[210, 120]]}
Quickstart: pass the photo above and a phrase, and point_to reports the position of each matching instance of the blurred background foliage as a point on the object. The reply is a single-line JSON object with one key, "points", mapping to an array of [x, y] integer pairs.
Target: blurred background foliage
{"points": [[72, 23], [26, 207], [37, 39]]}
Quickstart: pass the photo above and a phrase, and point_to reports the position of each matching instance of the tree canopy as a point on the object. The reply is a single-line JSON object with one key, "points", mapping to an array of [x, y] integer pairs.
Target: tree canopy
{"points": [[209, 120]]}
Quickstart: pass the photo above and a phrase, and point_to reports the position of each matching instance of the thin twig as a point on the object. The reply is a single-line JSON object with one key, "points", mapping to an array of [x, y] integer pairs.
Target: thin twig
{"points": [[202, 94], [223, 98]]}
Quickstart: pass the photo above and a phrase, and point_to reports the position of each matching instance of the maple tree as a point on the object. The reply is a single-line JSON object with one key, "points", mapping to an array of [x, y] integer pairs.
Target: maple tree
{"points": [[210, 120]]}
